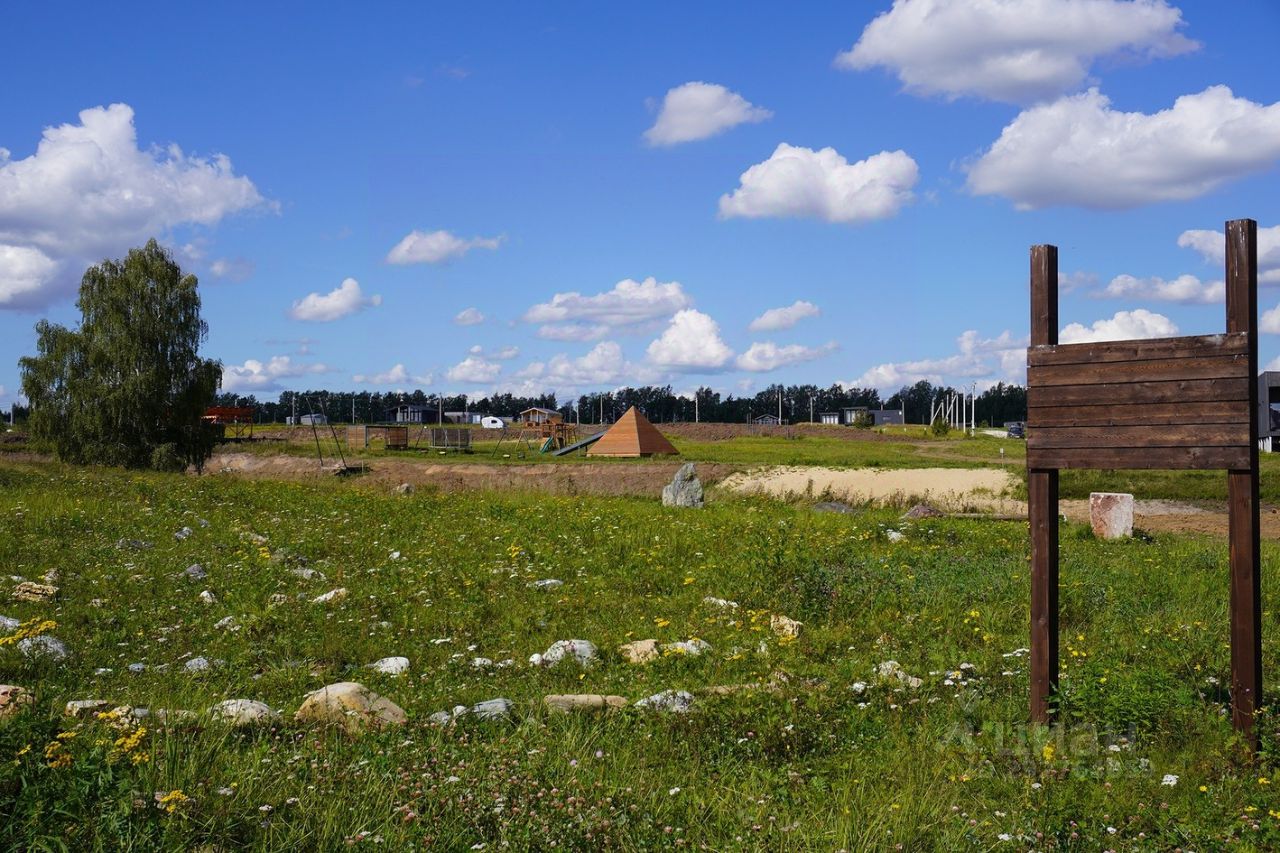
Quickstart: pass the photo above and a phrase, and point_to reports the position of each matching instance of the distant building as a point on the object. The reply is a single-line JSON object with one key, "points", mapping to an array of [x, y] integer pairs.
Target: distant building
{"points": [[831, 418], [539, 415], [1268, 406], [766, 420], [462, 417], [313, 420], [883, 417], [408, 413]]}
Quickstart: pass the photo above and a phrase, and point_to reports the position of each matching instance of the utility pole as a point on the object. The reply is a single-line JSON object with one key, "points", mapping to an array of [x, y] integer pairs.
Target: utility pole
{"points": [[810, 408], [779, 405], [695, 406]]}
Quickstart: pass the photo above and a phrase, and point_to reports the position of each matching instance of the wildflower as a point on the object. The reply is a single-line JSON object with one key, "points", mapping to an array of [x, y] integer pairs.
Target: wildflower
{"points": [[1204, 789], [673, 792], [264, 808], [660, 622], [173, 801], [688, 580], [1047, 752], [30, 628], [1263, 780], [1169, 779]]}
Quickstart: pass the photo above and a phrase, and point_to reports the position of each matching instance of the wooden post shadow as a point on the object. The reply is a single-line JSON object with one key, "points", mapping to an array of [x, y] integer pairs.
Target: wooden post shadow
{"points": [[1173, 403]]}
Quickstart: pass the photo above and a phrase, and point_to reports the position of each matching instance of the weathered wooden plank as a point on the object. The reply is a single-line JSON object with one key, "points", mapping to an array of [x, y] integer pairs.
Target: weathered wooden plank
{"points": [[1192, 346], [1207, 412], [1145, 393], [1154, 370], [1173, 458], [1042, 510], [1142, 436]]}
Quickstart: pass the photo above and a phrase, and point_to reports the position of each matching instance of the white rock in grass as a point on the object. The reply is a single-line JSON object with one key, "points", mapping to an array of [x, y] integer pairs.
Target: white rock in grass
{"points": [[136, 667], [722, 603], [8, 623], [85, 707], [891, 672], [1111, 514], [693, 647], [332, 595], [207, 597], [308, 574], [481, 663], [350, 705], [227, 623], [13, 699], [582, 651], [197, 664], [639, 651], [492, 709], [182, 534], [244, 712], [547, 583], [391, 666], [195, 572], [785, 626], [670, 701], [893, 535], [44, 646]]}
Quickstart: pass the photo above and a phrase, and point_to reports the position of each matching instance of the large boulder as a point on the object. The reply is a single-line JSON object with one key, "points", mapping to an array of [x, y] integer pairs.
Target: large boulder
{"points": [[13, 699], [685, 489], [350, 705], [1111, 514], [639, 651], [31, 591], [582, 651], [244, 712]]}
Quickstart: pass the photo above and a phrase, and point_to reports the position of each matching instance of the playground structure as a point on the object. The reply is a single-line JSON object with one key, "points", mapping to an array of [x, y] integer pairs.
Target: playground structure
{"points": [[392, 437], [632, 436], [550, 436], [232, 423]]}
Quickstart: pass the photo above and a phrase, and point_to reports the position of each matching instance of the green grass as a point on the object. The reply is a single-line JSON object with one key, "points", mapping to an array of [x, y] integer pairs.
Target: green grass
{"points": [[814, 765]]}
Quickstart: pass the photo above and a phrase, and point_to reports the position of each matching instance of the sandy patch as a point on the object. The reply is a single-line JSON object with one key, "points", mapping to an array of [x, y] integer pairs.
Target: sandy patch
{"points": [[948, 488]]}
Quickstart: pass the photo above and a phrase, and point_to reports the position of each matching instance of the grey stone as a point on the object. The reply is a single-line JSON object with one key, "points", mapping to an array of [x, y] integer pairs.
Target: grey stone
{"points": [[835, 507], [197, 664], [8, 623], [391, 666], [44, 646], [1111, 514], [332, 595], [639, 651], [567, 703], [404, 489], [685, 489], [670, 701], [582, 651], [891, 672], [184, 533], [922, 511], [492, 709], [243, 712], [195, 572], [693, 647], [137, 667], [85, 707], [13, 699], [547, 583]]}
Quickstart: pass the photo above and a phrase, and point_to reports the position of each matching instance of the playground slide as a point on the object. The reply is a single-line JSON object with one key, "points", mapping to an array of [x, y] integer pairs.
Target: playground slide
{"points": [[579, 445]]}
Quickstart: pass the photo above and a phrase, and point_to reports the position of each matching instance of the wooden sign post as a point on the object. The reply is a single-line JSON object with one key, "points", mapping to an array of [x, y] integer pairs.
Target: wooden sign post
{"points": [[1188, 402]]}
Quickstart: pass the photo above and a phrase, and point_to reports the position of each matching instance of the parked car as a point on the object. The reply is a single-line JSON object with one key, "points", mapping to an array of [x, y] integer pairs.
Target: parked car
{"points": [[1017, 429]]}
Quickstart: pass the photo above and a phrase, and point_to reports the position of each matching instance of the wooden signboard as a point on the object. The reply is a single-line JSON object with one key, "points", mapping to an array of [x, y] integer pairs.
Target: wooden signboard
{"points": [[1187, 402]]}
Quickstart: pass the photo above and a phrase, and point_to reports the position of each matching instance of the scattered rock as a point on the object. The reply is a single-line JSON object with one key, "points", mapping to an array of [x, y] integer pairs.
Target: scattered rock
{"points": [[835, 507], [51, 576], [8, 623], [12, 699], [175, 716], [350, 705], [784, 626], [858, 687], [332, 595], [198, 664], [243, 712], [582, 651], [183, 534], [1111, 515], [443, 718], [404, 489], [893, 535], [639, 651], [308, 574], [137, 667], [276, 599], [481, 663], [195, 572], [256, 538], [44, 646], [922, 511], [80, 708], [207, 597], [891, 672], [693, 647], [566, 703], [227, 623], [203, 522], [31, 591], [547, 583], [133, 545], [492, 709], [685, 489], [670, 701], [722, 603], [391, 666]]}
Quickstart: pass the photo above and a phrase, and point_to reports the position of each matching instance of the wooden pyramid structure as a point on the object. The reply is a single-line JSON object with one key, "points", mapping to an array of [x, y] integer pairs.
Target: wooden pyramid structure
{"points": [[632, 435]]}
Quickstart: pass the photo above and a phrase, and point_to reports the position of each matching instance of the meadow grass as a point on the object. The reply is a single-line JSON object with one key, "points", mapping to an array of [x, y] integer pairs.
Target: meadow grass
{"points": [[813, 762]]}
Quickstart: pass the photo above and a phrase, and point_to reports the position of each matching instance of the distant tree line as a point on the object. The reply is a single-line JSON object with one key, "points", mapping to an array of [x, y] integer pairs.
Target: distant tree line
{"points": [[799, 404]]}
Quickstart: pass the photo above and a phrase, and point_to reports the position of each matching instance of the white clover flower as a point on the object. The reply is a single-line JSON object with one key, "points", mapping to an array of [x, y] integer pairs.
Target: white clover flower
{"points": [[1169, 779]]}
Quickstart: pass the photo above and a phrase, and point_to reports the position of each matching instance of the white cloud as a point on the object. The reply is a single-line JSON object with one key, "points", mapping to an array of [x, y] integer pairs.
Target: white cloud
{"points": [[346, 299], [691, 342], [631, 306], [474, 369], [1187, 289], [89, 192], [984, 360], [436, 247], [801, 182], [255, 375], [700, 110], [1080, 151], [1020, 51], [397, 375], [235, 269], [501, 354], [764, 356], [603, 365], [1124, 326], [1212, 246], [1269, 322], [784, 318], [468, 317]]}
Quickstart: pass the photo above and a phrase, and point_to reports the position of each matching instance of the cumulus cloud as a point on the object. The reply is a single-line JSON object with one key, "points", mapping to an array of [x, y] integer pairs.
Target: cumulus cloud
{"points": [[764, 356], [801, 182], [1269, 322], [474, 369], [436, 247], [784, 318], [1212, 246], [1080, 151], [691, 342], [501, 354], [234, 269], [1021, 51], [1187, 289], [256, 375], [346, 299], [603, 365], [984, 360], [397, 375], [89, 192], [1124, 326], [700, 110], [468, 317], [631, 306]]}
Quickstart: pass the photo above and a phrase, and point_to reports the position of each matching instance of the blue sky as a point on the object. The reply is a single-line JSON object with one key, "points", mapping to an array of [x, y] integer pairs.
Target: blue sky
{"points": [[352, 186]]}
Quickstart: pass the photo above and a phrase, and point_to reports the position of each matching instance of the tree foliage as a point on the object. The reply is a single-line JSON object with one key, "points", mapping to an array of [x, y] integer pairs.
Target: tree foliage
{"points": [[128, 387]]}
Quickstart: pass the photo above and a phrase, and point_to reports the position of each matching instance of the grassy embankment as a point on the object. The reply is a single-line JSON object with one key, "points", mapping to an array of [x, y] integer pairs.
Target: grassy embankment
{"points": [[813, 764]]}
